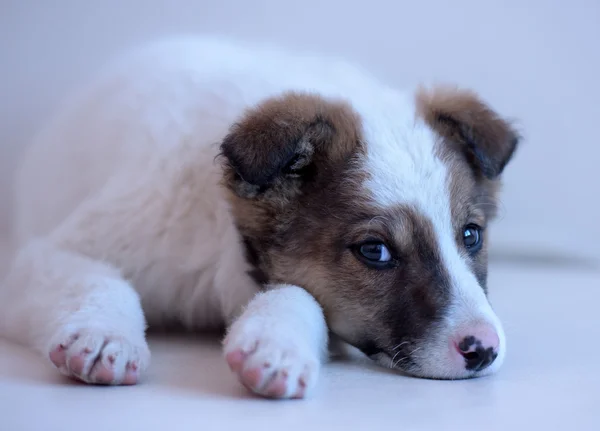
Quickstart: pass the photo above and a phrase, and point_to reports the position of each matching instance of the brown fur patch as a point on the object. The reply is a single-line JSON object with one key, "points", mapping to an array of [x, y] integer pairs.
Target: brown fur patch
{"points": [[487, 140], [286, 132], [280, 156], [282, 146]]}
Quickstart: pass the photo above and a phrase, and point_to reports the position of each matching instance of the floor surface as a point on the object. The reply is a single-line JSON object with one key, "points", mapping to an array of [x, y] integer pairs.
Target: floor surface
{"points": [[550, 380]]}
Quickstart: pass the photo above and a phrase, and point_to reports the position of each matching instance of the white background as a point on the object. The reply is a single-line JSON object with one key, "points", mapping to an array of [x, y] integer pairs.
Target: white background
{"points": [[535, 61]]}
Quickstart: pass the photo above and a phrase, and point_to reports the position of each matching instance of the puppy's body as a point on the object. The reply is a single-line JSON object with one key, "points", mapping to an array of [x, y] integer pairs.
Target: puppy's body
{"points": [[186, 179]]}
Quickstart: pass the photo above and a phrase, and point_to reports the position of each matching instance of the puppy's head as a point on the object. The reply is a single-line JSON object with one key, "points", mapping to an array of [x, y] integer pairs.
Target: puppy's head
{"points": [[381, 212]]}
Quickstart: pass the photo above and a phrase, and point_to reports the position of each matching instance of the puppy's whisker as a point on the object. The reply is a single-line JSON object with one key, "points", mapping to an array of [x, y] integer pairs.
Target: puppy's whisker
{"points": [[416, 350], [399, 345], [393, 358], [404, 358]]}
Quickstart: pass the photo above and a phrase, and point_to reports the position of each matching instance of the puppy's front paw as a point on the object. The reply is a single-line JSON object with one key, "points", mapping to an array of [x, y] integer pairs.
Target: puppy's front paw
{"points": [[269, 362], [99, 357]]}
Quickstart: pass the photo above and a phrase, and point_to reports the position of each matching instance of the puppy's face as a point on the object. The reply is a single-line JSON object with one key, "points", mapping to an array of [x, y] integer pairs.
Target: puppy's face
{"points": [[380, 212]]}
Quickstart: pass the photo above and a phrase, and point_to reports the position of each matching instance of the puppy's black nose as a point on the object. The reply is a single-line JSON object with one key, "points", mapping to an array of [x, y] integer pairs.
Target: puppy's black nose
{"points": [[477, 353]]}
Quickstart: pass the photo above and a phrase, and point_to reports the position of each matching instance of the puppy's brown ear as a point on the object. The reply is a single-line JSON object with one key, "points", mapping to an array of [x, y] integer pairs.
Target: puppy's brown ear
{"points": [[282, 137], [487, 140]]}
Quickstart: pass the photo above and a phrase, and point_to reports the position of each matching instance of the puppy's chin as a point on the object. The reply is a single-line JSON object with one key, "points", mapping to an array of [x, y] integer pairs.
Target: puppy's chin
{"points": [[406, 367]]}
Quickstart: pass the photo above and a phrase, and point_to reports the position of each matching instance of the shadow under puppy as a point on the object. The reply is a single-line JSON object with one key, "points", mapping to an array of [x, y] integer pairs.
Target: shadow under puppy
{"points": [[203, 182]]}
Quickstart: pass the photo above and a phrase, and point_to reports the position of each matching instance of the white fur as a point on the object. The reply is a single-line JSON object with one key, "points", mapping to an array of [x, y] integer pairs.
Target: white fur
{"points": [[118, 206]]}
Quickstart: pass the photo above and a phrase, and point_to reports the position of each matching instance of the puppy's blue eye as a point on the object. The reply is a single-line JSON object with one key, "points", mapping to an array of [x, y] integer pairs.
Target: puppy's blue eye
{"points": [[472, 237]]}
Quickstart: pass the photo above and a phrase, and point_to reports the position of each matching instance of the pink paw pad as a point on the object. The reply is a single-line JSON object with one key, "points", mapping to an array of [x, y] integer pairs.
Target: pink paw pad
{"points": [[131, 377], [103, 375], [76, 363], [252, 377], [278, 386], [58, 356], [93, 357], [300, 392], [235, 360]]}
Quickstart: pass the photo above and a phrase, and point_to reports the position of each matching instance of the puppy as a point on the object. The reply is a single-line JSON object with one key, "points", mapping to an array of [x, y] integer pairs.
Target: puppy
{"points": [[207, 183]]}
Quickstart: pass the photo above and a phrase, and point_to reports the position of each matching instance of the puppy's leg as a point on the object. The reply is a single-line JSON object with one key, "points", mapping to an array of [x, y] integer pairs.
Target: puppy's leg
{"points": [[278, 343], [77, 312]]}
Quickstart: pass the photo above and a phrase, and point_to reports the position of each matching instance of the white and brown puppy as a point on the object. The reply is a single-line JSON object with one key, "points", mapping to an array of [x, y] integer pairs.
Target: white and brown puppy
{"points": [[205, 183]]}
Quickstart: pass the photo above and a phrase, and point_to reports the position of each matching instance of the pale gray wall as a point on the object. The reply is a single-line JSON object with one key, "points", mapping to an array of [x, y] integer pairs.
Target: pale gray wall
{"points": [[536, 60]]}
